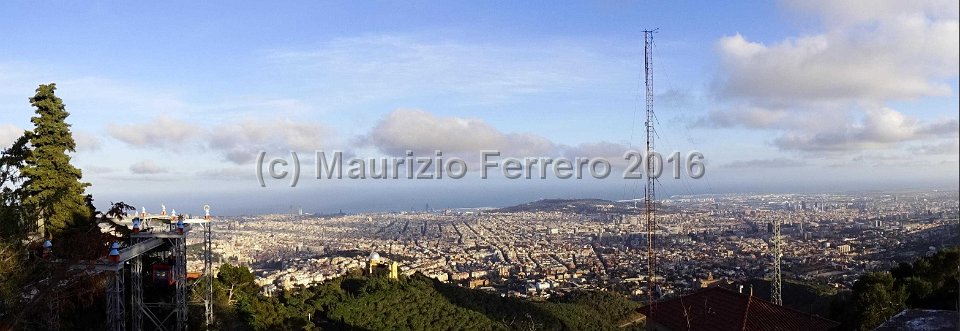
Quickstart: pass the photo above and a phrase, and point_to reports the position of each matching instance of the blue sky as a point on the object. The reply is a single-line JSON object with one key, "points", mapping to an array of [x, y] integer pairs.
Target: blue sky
{"points": [[170, 102]]}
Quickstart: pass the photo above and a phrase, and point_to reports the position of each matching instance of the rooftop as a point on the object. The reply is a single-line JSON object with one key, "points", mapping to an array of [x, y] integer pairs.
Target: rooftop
{"points": [[921, 319], [721, 309]]}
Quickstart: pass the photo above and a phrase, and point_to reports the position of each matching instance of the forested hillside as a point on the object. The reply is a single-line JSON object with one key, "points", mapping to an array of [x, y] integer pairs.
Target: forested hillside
{"points": [[417, 302]]}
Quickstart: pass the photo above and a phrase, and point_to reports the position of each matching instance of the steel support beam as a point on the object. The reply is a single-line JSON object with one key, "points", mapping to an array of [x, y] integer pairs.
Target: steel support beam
{"points": [[136, 294], [208, 274], [126, 254], [115, 313], [180, 279]]}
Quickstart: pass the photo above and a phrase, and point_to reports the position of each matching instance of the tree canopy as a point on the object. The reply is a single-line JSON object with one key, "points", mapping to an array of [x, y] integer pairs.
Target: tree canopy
{"points": [[930, 282], [53, 194], [42, 193], [417, 302]]}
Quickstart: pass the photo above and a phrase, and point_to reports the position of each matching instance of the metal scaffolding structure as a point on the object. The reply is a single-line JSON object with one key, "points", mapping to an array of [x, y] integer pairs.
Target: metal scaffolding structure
{"points": [[115, 312], [171, 230], [180, 280], [136, 291]]}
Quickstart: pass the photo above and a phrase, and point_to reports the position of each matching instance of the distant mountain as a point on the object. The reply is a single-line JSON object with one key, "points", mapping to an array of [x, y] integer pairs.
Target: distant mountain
{"points": [[583, 206]]}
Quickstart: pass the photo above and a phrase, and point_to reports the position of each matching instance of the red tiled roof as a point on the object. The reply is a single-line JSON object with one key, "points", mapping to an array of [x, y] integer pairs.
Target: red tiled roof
{"points": [[721, 310]]}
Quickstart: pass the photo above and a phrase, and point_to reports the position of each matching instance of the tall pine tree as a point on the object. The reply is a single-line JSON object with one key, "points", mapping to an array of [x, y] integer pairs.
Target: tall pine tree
{"points": [[53, 194]]}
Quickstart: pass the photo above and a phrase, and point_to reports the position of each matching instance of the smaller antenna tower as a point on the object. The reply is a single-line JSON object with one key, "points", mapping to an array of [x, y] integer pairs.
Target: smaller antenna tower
{"points": [[775, 284]]}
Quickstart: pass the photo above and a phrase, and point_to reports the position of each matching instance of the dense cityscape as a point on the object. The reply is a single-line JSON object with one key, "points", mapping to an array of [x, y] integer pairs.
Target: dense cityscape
{"points": [[537, 249]]}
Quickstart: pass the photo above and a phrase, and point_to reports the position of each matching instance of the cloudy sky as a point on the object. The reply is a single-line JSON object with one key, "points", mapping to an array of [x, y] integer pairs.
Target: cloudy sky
{"points": [[172, 102]]}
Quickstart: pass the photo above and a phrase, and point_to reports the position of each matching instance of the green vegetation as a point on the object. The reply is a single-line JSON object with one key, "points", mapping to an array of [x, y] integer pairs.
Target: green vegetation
{"points": [[42, 197], [356, 302], [928, 283], [12, 160], [803, 296], [52, 191]]}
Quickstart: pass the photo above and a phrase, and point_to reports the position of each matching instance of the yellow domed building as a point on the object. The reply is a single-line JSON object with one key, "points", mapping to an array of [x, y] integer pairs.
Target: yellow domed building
{"points": [[376, 265]]}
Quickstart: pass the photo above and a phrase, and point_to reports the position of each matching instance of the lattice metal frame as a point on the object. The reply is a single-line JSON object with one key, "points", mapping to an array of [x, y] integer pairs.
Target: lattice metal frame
{"points": [[776, 295], [180, 281], [143, 243], [115, 309], [208, 271], [136, 290], [650, 192]]}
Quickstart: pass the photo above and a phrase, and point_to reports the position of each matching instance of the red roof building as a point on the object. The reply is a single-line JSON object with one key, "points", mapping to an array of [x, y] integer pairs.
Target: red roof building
{"points": [[721, 310]]}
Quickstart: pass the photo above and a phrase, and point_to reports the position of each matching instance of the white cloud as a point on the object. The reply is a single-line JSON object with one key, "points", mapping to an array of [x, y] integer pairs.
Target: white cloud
{"points": [[826, 91], [86, 141], [161, 132], [879, 128], [766, 163], [147, 167], [901, 56], [596, 149], [612, 152], [241, 141], [423, 133], [747, 117], [951, 147], [8, 134], [237, 141], [898, 159]]}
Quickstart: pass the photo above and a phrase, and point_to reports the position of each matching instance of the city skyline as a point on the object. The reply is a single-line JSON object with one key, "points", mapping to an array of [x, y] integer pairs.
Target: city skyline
{"points": [[174, 105]]}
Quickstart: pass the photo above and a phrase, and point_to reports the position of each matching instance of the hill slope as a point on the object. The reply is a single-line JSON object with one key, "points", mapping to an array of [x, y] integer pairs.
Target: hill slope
{"points": [[421, 303]]}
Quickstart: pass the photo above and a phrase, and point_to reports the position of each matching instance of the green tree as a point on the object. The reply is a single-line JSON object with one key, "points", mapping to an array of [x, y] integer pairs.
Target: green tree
{"points": [[12, 160], [37, 182], [53, 194], [876, 299], [237, 280]]}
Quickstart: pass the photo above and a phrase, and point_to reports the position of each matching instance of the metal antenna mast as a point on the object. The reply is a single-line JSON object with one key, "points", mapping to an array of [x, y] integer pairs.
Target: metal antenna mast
{"points": [[208, 266], [775, 293], [649, 194]]}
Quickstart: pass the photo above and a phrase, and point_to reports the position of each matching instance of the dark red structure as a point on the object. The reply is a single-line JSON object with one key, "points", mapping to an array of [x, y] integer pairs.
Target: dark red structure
{"points": [[721, 309], [162, 274]]}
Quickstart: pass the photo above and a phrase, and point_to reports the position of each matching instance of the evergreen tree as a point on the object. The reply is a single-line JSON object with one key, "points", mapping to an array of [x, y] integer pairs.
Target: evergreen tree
{"points": [[876, 299], [53, 194], [11, 161]]}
